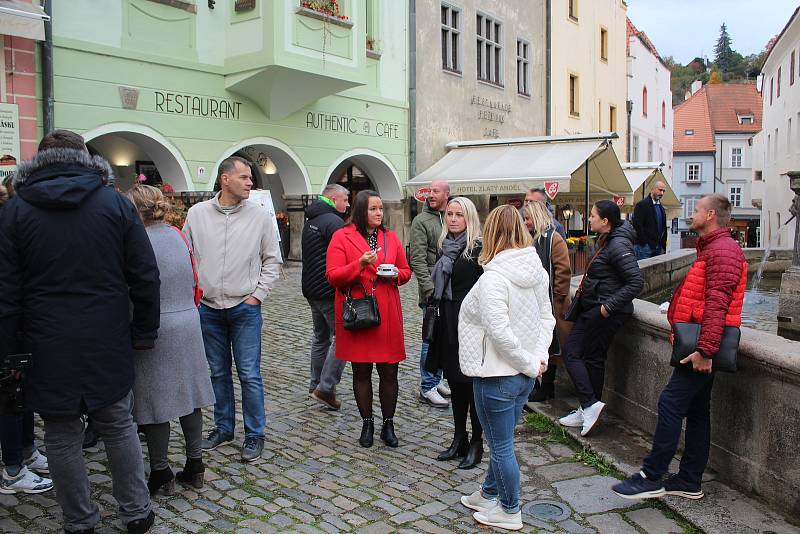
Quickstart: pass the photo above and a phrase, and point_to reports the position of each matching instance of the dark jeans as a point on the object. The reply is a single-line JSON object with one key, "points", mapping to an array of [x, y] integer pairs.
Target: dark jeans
{"points": [[643, 252], [16, 438], [235, 330], [326, 368], [687, 395], [63, 437], [586, 349]]}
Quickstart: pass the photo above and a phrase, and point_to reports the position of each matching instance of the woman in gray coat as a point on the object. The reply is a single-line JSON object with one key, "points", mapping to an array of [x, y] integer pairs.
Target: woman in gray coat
{"points": [[172, 379]]}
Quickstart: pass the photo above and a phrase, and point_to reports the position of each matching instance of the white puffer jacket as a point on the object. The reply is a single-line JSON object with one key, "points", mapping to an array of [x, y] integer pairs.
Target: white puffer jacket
{"points": [[506, 323]]}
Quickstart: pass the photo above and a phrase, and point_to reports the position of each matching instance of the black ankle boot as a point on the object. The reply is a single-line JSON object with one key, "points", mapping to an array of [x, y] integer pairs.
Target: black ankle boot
{"points": [[387, 433], [142, 526], [367, 430], [161, 479], [457, 449], [542, 393], [474, 455], [192, 474]]}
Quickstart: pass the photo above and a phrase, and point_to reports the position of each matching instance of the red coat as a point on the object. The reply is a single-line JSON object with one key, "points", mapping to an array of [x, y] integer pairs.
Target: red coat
{"points": [[383, 343], [712, 292]]}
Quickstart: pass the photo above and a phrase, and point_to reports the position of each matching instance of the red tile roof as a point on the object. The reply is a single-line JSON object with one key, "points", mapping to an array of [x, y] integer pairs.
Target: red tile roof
{"points": [[693, 114], [632, 31], [715, 109]]}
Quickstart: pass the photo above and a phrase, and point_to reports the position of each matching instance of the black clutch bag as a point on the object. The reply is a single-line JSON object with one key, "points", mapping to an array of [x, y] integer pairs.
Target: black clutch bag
{"points": [[685, 336], [429, 322], [575, 309], [360, 313]]}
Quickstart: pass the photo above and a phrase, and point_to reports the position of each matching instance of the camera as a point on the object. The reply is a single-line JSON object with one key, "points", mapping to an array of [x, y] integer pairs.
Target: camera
{"points": [[12, 375]]}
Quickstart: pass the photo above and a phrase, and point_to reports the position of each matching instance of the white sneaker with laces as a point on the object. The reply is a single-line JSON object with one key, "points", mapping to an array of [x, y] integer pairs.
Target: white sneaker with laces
{"points": [[433, 398], [443, 390], [574, 418], [497, 517], [38, 463], [476, 501], [591, 416], [24, 482]]}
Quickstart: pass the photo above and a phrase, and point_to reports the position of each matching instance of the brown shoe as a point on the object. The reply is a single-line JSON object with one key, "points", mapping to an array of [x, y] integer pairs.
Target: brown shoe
{"points": [[328, 399]]}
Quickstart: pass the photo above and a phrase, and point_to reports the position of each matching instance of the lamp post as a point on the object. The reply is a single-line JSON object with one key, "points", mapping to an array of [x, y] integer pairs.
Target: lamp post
{"points": [[789, 297], [567, 213]]}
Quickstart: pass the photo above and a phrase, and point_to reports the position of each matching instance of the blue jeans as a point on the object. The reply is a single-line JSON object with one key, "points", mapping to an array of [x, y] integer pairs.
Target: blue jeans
{"points": [[499, 401], [687, 396], [643, 252], [239, 329], [429, 380], [16, 438]]}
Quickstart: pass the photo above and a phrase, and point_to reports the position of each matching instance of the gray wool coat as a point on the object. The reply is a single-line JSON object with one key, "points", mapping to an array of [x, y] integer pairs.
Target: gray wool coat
{"points": [[172, 379]]}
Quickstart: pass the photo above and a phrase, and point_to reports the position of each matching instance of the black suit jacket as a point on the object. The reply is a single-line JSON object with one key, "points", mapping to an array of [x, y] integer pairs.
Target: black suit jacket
{"points": [[646, 224]]}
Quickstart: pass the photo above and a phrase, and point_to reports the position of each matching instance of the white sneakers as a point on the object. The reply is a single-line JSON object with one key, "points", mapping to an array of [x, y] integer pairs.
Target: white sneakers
{"points": [[574, 419], [443, 390], [586, 419], [37, 462], [591, 416], [434, 398], [490, 512], [25, 482]]}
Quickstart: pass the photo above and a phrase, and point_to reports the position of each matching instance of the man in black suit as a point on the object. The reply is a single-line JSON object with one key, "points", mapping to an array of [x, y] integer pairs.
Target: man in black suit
{"points": [[650, 221]]}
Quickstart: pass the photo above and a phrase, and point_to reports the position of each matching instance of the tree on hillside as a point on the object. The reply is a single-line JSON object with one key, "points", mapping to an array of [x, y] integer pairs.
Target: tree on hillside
{"points": [[723, 53]]}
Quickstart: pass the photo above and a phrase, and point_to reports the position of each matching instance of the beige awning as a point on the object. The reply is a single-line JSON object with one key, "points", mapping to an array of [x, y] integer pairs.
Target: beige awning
{"points": [[22, 19], [641, 177], [512, 166]]}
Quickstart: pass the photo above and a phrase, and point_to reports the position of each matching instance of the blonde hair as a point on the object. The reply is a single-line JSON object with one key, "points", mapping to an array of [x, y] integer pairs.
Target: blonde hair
{"points": [[149, 202], [540, 216], [473, 225], [504, 229]]}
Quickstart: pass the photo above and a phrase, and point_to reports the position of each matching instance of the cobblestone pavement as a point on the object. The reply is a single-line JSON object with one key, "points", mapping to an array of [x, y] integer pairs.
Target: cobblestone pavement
{"points": [[314, 477]]}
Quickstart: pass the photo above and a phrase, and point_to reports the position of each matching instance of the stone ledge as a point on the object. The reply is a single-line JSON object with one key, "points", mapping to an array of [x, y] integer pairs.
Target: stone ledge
{"points": [[310, 13]]}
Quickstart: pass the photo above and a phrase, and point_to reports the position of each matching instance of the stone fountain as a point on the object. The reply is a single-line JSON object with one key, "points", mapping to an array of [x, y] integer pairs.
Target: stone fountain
{"points": [[789, 300]]}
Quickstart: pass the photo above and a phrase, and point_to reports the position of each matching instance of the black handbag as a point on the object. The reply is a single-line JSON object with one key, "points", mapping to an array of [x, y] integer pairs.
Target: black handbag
{"points": [[360, 313], [684, 343], [429, 322]]}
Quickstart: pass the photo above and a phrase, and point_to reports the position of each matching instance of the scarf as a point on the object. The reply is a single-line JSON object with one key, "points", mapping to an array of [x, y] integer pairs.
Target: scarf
{"points": [[443, 270]]}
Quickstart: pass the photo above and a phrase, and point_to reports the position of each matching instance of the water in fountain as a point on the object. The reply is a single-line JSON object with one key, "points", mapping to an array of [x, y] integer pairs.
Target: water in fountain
{"points": [[760, 271]]}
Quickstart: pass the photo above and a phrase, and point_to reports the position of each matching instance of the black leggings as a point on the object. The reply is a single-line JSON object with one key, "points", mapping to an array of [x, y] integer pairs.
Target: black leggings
{"points": [[387, 388], [463, 400]]}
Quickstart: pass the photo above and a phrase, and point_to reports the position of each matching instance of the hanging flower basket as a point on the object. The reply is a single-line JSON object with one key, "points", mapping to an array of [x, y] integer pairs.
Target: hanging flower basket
{"points": [[331, 8]]}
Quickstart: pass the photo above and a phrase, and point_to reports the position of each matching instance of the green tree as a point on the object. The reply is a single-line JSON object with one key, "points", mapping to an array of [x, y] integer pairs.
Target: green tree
{"points": [[716, 77], [723, 53]]}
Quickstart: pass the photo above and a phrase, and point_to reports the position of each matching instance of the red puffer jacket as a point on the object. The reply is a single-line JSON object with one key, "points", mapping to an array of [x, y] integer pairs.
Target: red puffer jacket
{"points": [[713, 291]]}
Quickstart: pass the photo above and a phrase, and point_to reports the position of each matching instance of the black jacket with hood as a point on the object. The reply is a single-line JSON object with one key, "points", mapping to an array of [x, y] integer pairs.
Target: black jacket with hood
{"points": [[78, 280], [322, 221], [614, 279]]}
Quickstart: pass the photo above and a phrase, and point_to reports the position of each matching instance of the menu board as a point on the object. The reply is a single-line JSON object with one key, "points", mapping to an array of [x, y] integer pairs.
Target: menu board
{"points": [[263, 198], [9, 139]]}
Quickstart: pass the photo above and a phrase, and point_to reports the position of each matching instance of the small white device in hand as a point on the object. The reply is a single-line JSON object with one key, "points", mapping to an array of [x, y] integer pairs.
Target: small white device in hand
{"points": [[387, 269]]}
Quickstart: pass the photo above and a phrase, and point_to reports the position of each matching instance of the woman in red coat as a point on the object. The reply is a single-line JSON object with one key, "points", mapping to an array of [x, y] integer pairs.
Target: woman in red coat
{"points": [[354, 254]]}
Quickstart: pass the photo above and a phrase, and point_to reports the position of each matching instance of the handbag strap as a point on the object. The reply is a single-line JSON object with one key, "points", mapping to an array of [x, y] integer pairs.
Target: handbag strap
{"points": [[191, 254], [588, 265]]}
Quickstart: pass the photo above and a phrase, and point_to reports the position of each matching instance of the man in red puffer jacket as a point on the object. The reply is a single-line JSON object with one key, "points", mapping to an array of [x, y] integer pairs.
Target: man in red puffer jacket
{"points": [[711, 294]]}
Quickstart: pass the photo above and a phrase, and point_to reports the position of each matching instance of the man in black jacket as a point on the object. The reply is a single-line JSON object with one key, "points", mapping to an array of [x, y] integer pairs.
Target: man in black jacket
{"points": [[650, 222], [79, 280], [324, 217]]}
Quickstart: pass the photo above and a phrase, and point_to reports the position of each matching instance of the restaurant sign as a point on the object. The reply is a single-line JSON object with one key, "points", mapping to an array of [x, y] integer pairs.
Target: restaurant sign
{"points": [[9, 139]]}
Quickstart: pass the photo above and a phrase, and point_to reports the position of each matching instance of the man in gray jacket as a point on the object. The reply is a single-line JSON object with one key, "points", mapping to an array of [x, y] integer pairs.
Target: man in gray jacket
{"points": [[238, 260]]}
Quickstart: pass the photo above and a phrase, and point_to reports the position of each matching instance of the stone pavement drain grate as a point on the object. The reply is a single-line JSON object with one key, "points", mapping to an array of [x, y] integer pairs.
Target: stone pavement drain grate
{"points": [[546, 510]]}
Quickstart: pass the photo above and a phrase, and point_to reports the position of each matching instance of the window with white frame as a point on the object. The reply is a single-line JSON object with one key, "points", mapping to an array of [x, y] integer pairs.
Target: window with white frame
{"points": [[523, 67], [635, 149], [649, 150], [735, 196], [451, 38], [736, 157], [489, 49], [693, 172], [689, 204]]}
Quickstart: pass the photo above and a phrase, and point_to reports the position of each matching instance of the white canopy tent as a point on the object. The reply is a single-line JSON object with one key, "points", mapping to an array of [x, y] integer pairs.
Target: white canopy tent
{"points": [[642, 177], [566, 166]]}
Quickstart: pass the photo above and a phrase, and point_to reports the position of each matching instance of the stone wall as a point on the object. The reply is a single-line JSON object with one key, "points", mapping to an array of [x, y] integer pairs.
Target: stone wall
{"points": [[755, 412]]}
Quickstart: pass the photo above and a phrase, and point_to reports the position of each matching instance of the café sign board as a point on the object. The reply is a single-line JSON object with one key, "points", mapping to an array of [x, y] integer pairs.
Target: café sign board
{"points": [[9, 139]]}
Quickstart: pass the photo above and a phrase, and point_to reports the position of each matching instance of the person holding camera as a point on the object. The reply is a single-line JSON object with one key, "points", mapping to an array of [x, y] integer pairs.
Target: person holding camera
{"points": [[365, 259]]}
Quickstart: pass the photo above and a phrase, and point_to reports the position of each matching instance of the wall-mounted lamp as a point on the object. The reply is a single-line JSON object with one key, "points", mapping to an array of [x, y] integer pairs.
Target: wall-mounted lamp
{"points": [[266, 164], [567, 212]]}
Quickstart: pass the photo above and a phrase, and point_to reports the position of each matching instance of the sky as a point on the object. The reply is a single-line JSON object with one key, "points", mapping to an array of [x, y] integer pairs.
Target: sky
{"points": [[686, 29]]}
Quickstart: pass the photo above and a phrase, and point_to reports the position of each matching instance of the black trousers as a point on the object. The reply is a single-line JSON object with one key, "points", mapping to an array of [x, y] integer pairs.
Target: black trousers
{"points": [[687, 395], [586, 349]]}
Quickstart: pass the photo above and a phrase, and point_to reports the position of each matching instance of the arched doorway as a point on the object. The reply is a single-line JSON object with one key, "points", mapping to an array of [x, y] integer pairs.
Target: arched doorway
{"points": [[134, 150]]}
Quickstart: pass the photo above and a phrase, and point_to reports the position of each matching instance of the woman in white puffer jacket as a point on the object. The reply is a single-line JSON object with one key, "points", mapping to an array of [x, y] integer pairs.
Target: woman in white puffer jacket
{"points": [[504, 330]]}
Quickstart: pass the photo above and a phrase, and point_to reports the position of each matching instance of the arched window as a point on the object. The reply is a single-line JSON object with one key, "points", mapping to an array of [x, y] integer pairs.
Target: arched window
{"points": [[663, 114], [644, 102]]}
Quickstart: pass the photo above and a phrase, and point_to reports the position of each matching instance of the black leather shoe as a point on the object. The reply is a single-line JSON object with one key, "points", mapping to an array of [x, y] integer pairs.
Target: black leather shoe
{"points": [[387, 433], [161, 479], [474, 455], [142, 526], [457, 449], [542, 393], [84, 531], [192, 474], [367, 430]]}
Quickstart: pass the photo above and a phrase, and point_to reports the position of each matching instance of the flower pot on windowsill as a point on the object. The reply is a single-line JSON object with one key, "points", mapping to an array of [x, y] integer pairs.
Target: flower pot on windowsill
{"points": [[325, 16]]}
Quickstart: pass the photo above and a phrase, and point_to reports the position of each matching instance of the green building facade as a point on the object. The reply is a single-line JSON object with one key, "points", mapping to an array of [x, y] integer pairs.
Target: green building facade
{"points": [[169, 88]]}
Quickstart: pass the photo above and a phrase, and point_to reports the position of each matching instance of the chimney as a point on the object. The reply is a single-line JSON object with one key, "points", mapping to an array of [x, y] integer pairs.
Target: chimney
{"points": [[688, 95], [760, 82], [696, 85]]}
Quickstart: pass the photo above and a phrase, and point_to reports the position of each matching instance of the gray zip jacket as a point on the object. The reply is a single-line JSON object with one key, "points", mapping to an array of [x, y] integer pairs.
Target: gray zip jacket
{"points": [[237, 253]]}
